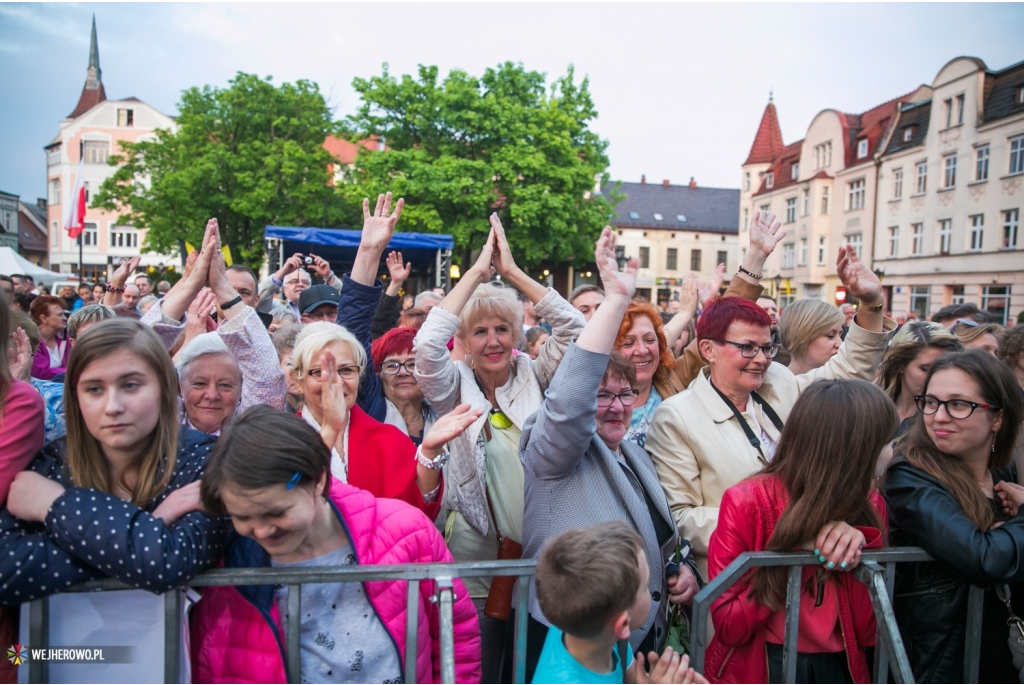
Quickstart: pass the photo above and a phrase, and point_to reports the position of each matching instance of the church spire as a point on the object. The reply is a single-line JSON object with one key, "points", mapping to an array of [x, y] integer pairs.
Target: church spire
{"points": [[768, 141], [93, 92]]}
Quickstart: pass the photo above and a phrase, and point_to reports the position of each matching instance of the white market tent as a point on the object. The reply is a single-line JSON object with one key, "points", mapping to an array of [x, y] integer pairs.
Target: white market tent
{"points": [[13, 263]]}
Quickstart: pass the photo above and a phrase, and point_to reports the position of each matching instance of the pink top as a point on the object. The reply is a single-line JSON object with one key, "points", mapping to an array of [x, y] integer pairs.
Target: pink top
{"points": [[21, 432]]}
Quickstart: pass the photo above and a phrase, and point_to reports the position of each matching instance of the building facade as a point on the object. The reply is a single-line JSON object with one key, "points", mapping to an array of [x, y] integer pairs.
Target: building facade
{"points": [[96, 128], [675, 229], [951, 184]]}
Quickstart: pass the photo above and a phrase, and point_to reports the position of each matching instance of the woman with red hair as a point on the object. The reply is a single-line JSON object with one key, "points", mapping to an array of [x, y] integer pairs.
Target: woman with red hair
{"points": [[726, 425], [394, 362]]}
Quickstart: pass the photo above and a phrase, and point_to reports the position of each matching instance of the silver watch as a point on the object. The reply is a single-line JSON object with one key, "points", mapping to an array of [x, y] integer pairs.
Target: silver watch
{"points": [[433, 464]]}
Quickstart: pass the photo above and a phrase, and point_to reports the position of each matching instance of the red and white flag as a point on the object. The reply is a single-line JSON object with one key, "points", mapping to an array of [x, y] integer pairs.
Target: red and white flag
{"points": [[74, 217]]}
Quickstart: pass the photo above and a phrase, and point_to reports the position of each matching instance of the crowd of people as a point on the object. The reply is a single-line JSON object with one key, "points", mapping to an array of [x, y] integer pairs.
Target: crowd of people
{"points": [[311, 419]]}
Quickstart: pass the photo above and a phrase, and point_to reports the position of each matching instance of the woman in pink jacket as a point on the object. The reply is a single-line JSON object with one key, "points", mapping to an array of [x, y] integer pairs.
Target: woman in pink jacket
{"points": [[270, 473]]}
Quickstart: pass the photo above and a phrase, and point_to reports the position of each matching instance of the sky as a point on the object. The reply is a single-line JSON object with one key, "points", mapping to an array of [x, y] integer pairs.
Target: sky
{"points": [[679, 88]]}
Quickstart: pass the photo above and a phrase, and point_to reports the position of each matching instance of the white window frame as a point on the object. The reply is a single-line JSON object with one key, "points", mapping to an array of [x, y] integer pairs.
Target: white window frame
{"points": [[672, 259], [947, 110], [977, 232], [855, 191], [90, 235], [921, 179], [1016, 158], [53, 192], [857, 240], [989, 295], [126, 117], [54, 235], [746, 219], [822, 250], [788, 255], [949, 171], [917, 239], [53, 156], [920, 294], [908, 134], [897, 183], [803, 252], [960, 102], [746, 181], [807, 201], [894, 241], [765, 210], [1011, 224], [825, 200], [981, 159], [795, 172], [96, 151], [945, 236], [790, 210], [769, 181], [124, 237], [862, 148]]}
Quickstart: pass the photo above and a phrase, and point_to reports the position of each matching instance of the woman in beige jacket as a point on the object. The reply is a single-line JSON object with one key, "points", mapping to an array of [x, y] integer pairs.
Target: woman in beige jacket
{"points": [[725, 426]]}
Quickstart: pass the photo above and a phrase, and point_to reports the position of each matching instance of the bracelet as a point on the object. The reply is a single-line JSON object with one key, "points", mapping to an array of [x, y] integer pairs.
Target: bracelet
{"points": [[873, 308], [433, 464], [111, 289], [231, 303], [751, 274]]}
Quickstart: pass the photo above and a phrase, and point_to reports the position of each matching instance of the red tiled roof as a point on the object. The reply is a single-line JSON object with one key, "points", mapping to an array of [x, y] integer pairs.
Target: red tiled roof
{"points": [[346, 151], [872, 125], [782, 168], [768, 141], [88, 100]]}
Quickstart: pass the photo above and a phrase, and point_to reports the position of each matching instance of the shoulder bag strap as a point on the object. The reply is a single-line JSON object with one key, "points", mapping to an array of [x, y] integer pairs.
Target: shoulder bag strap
{"points": [[754, 441]]}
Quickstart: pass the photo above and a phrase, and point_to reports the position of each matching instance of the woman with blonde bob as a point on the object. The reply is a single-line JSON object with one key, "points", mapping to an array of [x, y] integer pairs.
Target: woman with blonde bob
{"points": [[128, 457], [911, 353], [978, 336], [811, 331], [327, 362]]}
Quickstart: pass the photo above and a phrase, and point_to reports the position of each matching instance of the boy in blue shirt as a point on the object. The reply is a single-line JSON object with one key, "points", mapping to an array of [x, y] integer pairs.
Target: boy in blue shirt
{"points": [[592, 587]]}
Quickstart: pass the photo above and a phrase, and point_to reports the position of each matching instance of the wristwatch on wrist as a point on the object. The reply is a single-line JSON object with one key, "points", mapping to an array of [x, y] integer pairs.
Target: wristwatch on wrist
{"points": [[874, 307], [432, 464]]}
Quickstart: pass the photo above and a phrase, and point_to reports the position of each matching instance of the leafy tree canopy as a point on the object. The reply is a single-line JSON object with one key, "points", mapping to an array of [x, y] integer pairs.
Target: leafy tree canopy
{"points": [[250, 154], [460, 148]]}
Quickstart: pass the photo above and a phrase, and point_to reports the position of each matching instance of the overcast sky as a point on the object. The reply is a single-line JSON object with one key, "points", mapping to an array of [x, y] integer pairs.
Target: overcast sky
{"points": [[680, 88]]}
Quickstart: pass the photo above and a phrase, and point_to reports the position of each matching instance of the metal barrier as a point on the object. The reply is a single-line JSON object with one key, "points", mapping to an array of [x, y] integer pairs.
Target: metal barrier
{"points": [[442, 574], [877, 571]]}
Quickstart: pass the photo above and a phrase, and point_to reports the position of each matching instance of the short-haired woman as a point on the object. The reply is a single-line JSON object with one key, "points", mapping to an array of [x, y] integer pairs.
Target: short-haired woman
{"points": [[801, 500], [812, 332], [272, 474], [944, 492], [51, 358], [395, 363], [910, 355]]}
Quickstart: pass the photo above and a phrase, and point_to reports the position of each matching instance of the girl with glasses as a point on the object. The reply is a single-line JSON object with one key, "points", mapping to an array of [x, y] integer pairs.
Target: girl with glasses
{"points": [[952, 491]]}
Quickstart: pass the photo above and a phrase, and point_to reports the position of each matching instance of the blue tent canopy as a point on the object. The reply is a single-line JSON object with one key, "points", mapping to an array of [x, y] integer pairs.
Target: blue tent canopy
{"points": [[430, 254]]}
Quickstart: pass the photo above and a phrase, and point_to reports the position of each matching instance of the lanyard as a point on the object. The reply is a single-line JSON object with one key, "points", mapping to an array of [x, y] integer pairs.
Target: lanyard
{"points": [[765, 407]]}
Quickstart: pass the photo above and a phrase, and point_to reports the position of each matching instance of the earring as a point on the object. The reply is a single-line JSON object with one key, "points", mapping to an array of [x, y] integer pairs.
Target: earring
{"points": [[468, 360]]}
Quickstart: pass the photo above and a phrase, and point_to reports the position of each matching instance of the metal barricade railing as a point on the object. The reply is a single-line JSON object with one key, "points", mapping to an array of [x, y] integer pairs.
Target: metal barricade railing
{"points": [[877, 571], [442, 574]]}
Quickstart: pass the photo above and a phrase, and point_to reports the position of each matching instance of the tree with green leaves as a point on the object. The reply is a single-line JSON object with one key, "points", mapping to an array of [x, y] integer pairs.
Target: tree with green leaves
{"points": [[464, 147], [250, 155]]}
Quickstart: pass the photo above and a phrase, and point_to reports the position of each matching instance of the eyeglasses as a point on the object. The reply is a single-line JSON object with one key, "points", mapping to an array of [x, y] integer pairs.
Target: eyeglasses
{"points": [[346, 372], [394, 368], [607, 399], [963, 322], [957, 409], [750, 351]]}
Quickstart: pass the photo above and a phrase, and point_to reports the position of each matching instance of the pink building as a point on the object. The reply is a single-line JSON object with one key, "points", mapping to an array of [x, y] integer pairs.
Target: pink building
{"points": [[96, 127]]}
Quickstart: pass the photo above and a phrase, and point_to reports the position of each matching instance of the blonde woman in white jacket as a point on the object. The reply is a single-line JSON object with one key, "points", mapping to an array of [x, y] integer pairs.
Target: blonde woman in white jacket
{"points": [[484, 474]]}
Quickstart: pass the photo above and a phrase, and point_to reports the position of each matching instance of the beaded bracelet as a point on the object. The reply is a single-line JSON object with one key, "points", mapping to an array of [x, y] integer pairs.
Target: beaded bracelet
{"points": [[752, 275], [111, 289]]}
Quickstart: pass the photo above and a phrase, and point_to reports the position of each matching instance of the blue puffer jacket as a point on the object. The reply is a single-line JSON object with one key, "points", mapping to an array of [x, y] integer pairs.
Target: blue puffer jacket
{"points": [[91, 534], [356, 310]]}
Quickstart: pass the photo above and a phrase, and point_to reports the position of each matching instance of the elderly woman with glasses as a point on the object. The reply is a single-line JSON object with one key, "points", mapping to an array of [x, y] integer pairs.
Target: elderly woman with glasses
{"points": [[726, 425]]}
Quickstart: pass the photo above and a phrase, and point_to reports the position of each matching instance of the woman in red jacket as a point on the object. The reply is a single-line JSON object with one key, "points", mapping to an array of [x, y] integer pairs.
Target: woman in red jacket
{"points": [[817, 494]]}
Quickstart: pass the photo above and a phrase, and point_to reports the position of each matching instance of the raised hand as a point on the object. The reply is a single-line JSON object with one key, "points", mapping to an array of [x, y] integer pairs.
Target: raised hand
{"points": [[504, 263], [19, 358], [765, 233], [190, 262], [333, 398], [291, 264], [709, 288], [321, 266], [379, 226], [483, 269], [622, 283], [123, 271], [399, 273], [448, 427], [198, 314], [689, 294], [860, 281]]}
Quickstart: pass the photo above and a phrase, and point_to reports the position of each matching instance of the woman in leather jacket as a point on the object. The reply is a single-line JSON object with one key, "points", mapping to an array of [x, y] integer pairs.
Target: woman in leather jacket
{"points": [[943, 493]]}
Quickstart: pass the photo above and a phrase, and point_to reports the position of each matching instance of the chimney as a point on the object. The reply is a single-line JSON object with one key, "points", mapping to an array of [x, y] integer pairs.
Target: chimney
{"points": [[665, 183], [693, 184], [643, 178], [41, 202]]}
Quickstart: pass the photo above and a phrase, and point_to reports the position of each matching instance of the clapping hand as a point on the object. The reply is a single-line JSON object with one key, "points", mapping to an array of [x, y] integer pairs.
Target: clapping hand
{"points": [[483, 269], [621, 283], [379, 227], [504, 263]]}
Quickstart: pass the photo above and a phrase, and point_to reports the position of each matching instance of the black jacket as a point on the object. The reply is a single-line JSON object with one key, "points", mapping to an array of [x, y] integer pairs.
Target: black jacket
{"points": [[931, 598]]}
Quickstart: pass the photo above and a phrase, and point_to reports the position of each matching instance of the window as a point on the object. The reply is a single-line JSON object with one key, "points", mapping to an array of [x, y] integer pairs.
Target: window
{"points": [[723, 258], [746, 219], [645, 257], [796, 172], [769, 181], [634, 215], [995, 299], [855, 194], [125, 117], [746, 181], [959, 109], [823, 155], [88, 197], [862, 148], [1017, 155], [124, 236], [824, 200], [53, 156], [908, 134], [681, 218], [977, 231], [945, 235], [788, 255], [1011, 221], [96, 151], [981, 163], [922, 178], [897, 184], [822, 250], [917, 238], [807, 201], [791, 210], [894, 241], [54, 194], [803, 252], [671, 257], [658, 217], [54, 235], [694, 260], [1020, 95], [919, 301], [949, 173], [90, 236], [857, 240], [957, 295], [765, 210], [947, 109]]}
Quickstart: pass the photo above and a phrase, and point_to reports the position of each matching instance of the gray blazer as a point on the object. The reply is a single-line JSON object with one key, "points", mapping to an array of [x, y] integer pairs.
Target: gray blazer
{"points": [[574, 481]]}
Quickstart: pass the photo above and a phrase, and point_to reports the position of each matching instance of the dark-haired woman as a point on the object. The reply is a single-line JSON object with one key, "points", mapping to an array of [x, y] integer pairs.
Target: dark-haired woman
{"points": [[942, 496], [271, 473], [801, 500]]}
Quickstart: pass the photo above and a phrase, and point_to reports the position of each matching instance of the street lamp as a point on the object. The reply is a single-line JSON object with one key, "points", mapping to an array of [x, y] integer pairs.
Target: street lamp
{"points": [[620, 256], [778, 284]]}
